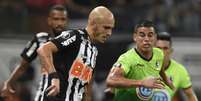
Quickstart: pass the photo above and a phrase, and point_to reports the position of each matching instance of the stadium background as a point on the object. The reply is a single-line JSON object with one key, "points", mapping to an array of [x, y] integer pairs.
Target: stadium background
{"points": [[21, 19]]}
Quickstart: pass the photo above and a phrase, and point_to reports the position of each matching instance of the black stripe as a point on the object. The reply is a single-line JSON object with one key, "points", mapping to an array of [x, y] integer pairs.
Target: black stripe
{"points": [[43, 83], [73, 89], [85, 52]]}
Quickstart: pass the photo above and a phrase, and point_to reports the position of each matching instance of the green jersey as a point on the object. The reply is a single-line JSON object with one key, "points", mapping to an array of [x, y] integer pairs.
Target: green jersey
{"points": [[178, 75], [137, 68]]}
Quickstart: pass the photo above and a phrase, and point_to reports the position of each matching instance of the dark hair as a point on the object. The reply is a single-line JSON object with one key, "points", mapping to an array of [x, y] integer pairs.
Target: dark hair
{"points": [[164, 36], [58, 8], [145, 23]]}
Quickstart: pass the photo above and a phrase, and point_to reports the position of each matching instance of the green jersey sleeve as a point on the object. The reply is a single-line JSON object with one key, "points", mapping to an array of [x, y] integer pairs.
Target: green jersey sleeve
{"points": [[185, 78]]}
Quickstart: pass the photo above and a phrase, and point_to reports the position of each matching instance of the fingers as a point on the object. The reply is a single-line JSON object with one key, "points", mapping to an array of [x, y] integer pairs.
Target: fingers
{"points": [[158, 86], [52, 91]]}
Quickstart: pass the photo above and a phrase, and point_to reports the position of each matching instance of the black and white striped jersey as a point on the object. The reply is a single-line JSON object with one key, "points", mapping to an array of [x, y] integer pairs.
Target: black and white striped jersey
{"points": [[29, 52], [74, 62]]}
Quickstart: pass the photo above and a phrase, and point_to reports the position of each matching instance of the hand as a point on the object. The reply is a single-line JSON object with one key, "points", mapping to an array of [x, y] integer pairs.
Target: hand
{"points": [[153, 82], [7, 90], [170, 85], [54, 88]]}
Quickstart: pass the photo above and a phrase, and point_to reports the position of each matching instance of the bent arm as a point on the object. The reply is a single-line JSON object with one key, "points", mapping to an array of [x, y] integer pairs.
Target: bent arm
{"points": [[116, 79], [18, 71], [45, 53]]}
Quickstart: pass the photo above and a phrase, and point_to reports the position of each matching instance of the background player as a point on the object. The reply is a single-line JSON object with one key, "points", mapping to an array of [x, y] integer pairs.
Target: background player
{"points": [[174, 70], [57, 20]]}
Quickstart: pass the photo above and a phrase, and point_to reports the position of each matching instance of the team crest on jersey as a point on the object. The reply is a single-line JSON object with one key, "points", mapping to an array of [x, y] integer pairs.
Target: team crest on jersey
{"points": [[144, 93], [160, 95], [157, 64]]}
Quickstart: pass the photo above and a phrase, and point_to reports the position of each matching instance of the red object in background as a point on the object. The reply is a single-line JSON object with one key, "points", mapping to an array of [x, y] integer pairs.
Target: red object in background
{"points": [[40, 4]]}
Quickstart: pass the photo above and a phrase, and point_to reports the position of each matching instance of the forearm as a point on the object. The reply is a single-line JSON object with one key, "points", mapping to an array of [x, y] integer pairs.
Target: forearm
{"points": [[46, 59], [123, 82], [190, 94], [88, 92], [18, 71], [192, 98]]}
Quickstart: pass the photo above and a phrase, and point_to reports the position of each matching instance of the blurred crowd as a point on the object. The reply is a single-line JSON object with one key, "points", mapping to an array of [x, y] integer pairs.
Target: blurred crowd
{"points": [[176, 16]]}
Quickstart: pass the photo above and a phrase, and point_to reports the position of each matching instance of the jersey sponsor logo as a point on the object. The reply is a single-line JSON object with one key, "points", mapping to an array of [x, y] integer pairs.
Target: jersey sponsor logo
{"points": [[81, 71], [69, 41], [144, 93], [160, 95]]}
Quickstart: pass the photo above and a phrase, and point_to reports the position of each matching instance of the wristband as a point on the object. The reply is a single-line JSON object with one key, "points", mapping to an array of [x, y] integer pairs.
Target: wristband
{"points": [[53, 75]]}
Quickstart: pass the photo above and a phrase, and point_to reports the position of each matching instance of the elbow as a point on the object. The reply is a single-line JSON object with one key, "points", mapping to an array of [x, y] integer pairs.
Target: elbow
{"points": [[40, 50]]}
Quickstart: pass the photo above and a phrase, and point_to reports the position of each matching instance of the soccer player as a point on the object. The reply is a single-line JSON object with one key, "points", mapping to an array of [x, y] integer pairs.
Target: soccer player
{"points": [[137, 72], [57, 21], [174, 70], [75, 53]]}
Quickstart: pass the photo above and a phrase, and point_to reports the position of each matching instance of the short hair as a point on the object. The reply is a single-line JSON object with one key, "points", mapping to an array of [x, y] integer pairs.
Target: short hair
{"points": [[145, 23], [164, 36], [58, 7]]}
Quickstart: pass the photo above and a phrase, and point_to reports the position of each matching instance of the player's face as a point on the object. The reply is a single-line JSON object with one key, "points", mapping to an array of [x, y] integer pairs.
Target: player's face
{"points": [[145, 38], [165, 46], [57, 20], [103, 30]]}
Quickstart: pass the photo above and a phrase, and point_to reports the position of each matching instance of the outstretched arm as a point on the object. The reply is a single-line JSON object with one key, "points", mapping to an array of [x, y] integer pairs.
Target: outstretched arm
{"points": [[18, 71], [116, 79], [45, 53]]}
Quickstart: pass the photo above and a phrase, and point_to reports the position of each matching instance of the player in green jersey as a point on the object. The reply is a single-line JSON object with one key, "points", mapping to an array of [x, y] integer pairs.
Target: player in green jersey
{"points": [[136, 73], [175, 71]]}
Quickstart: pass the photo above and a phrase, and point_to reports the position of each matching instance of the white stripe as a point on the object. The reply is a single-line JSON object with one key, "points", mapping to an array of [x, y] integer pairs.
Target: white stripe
{"points": [[76, 96], [93, 59], [70, 83], [39, 90], [45, 87], [32, 49], [88, 56]]}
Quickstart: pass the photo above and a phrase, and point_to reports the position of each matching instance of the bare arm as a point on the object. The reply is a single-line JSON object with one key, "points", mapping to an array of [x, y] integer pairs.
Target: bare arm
{"points": [[45, 54], [117, 79], [190, 94], [88, 89], [18, 71]]}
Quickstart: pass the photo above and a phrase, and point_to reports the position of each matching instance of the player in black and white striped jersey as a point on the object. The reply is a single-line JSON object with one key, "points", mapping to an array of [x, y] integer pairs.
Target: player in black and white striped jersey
{"points": [[57, 21], [70, 58]]}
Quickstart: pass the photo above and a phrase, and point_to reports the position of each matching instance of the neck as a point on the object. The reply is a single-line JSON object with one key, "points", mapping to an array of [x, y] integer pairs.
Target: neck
{"points": [[145, 54], [89, 31], [167, 63]]}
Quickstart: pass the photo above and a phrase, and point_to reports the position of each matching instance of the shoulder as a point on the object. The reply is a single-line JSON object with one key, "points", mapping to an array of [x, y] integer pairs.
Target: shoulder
{"points": [[127, 55], [69, 33], [42, 34], [178, 66], [158, 52]]}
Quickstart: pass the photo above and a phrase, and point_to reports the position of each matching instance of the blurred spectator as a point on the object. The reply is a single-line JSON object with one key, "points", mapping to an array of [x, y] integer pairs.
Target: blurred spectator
{"points": [[37, 13], [12, 15]]}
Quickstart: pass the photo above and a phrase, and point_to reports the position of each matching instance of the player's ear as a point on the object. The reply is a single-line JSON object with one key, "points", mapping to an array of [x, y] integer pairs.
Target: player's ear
{"points": [[134, 36]]}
